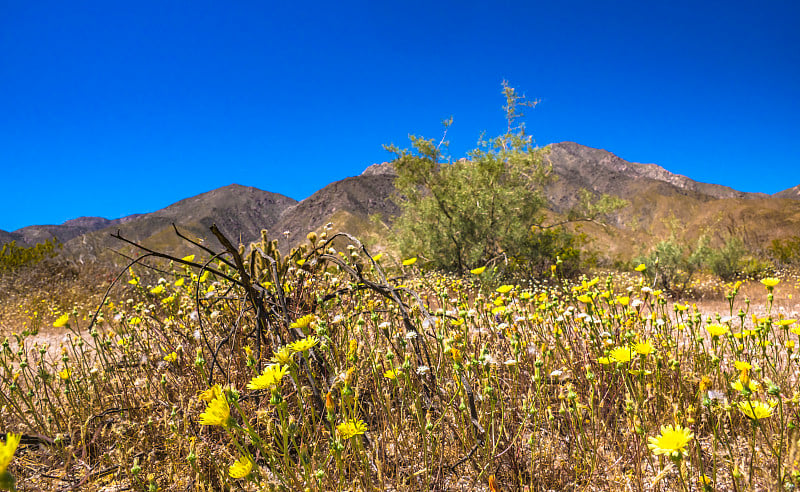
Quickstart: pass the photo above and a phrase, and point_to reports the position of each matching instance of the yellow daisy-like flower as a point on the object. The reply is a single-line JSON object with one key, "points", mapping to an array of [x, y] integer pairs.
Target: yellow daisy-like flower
{"points": [[304, 321], [188, 258], [204, 276], [61, 321], [623, 300], [179, 282], [218, 412], [135, 320], [477, 271], [643, 348], [158, 289], [378, 257], [621, 354], [505, 288], [499, 310], [410, 261], [7, 450], [786, 322], [171, 357], [283, 356], [585, 299], [65, 374], [640, 267], [672, 441], [269, 377], [770, 282], [304, 344], [391, 374], [351, 428], [716, 330], [241, 467], [756, 410], [211, 393], [741, 365], [738, 385]]}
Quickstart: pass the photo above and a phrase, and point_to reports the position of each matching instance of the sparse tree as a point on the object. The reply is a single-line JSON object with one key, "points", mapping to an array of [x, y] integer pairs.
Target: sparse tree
{"points": [[461, 214]]}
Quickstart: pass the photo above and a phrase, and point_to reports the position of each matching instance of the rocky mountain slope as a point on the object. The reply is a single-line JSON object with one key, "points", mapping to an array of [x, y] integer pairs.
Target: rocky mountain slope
{"points": [[793, 192], [658, 200]]}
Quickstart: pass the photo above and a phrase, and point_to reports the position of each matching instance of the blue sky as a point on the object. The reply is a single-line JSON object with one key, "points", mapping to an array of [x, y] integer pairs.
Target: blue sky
{"points": [[112, 108]]}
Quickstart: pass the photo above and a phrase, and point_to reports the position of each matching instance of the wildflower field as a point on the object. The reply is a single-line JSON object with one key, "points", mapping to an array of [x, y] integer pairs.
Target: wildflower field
{"points": [[336, 369]]}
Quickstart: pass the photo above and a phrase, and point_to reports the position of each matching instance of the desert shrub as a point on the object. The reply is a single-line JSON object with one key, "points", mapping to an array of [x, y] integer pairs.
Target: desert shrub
{"points": [[786, 251], [672, 265], [13, 256], [486, 206], [728, 261]]}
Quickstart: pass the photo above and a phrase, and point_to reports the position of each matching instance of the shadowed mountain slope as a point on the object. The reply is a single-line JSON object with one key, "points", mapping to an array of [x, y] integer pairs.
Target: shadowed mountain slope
{"points": [[239, 212]]}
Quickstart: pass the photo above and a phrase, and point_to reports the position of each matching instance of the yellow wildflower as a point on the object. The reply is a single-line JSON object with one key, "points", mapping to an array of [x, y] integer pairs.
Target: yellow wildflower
{"points": [[158, 289], [241, 467], [283, 356], [410, 261], [218, 412], [740, 383], [716, 330], [269, 377], [211, 393], [499, 310], [378, 257], [770, 282], [188, 258], [756, 410], [621, 354], [391, 374], [672, 441], [65, 374], [304, 344], [303, 321], [351, 428], [7, 450], [641, 267], [477, 271], [61, 321], [643, 348], [505, 288], [171, 357]]}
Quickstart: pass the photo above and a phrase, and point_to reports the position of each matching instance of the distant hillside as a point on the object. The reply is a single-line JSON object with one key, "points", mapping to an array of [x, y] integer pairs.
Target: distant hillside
{"points": [[30, 235], [351, 201], [793, 192], [239, 212], [600, 171], [659, 201]]}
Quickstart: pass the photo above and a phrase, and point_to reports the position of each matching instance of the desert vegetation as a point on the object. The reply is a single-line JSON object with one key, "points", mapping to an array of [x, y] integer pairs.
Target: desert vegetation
{"points": [[483, 350]]}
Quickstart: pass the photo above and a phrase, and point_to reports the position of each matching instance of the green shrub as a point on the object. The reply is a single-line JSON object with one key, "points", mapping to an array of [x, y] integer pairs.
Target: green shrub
{"points": [[728, 261], [13, 256]]}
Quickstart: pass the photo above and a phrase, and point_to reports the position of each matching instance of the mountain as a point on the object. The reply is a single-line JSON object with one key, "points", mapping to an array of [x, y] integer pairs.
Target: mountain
{"points": [[793, 192], [240, 212], [660, 202], [30, 235], [348, 204], [600, 171]]}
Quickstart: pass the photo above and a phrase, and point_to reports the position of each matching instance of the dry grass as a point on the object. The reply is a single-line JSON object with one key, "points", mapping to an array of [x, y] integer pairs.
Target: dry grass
{"points": [[115, 406]]}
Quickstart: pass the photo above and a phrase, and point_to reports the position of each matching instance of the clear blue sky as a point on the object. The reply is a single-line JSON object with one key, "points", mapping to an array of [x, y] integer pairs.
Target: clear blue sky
{"points": [[114, 108]]}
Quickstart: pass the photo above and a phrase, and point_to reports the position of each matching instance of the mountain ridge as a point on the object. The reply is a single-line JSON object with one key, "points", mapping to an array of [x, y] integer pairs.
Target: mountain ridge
{"points": [[364, 201]]}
